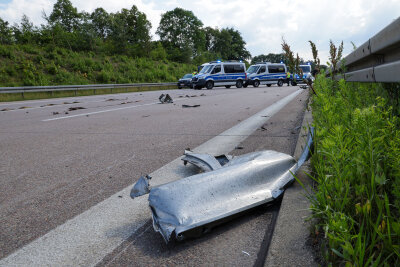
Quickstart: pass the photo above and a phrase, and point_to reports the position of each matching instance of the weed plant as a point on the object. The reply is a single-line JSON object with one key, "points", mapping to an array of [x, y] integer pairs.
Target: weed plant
{"points": [[356, 165]]}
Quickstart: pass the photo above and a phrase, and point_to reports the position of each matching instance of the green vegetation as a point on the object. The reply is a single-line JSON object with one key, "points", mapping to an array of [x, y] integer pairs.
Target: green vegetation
{"points": [[75, 47], [356, 164], [29, 65]]}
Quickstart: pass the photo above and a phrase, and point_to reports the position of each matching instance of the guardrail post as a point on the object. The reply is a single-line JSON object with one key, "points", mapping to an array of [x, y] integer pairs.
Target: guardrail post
{"points": [[23, 97], [76, 91]]}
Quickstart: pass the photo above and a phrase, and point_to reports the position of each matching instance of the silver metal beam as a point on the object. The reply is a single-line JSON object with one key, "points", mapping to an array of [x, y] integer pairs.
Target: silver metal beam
{"points": [[378, 59]]}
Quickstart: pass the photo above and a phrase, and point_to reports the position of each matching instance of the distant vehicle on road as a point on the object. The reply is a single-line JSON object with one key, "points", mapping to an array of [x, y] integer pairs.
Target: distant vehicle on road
{"points": [[306, 75], [217, 73], [266, 73], [185, 81]]}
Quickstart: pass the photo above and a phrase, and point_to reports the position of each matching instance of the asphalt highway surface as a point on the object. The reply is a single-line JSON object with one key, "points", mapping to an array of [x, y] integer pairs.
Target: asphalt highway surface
{"points": [[65, 163]]}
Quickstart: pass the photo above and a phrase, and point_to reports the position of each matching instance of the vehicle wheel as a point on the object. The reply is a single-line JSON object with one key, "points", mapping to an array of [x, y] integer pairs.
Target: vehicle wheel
{"points": [[293, 83], [239, 84], [209, 85], [280, 83], [227, 86], [256, 83], [245, 85], [269, 85], [179, 87]]}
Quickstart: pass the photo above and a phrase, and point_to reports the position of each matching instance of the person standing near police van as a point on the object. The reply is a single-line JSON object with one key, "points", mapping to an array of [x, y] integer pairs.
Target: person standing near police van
{"points": [[288, 78]]}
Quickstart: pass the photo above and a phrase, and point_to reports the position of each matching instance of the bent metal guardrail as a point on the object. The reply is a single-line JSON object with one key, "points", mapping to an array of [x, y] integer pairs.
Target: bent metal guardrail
{"points": [[378, 59], [26, 89]]}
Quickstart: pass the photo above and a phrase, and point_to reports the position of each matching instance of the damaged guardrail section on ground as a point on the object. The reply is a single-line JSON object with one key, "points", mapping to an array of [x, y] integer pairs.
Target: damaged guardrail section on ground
{"points": [[378, 59], [228, 186]]}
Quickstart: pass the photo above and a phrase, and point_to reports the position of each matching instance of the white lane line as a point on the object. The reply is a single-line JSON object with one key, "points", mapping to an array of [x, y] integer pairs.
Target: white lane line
{"points": [[103, 111], [87, 238]]}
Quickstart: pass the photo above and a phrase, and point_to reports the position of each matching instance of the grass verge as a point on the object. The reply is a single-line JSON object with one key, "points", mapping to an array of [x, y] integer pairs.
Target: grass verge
{"points": [[58, 94], [356, 165]]}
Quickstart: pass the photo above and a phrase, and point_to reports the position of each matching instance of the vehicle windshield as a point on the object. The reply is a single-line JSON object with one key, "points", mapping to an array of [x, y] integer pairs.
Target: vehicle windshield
{"points": [[206, 69], [187, 76], [253, 69], [306, 68]]}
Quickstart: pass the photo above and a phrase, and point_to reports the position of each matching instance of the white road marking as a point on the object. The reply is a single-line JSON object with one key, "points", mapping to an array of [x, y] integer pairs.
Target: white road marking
{"points": [[87, 238], [102, 111]]}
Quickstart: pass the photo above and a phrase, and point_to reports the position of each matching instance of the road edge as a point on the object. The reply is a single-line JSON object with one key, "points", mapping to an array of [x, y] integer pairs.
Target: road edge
{"points": [[288, 245]]}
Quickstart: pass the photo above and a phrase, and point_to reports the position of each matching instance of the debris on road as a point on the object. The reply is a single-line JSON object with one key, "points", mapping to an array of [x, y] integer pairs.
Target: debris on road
{"points": [[190, 106], [165, 99], [127, 102], [145, 116], [203, 95], [229, 185], [5, 109], [75, 108], [263, 128], [239, 147], [56, 113], [23, 107]]}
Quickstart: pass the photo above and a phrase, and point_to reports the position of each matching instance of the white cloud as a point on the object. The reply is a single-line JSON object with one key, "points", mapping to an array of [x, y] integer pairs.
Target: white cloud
{"points": [[261, 22]]}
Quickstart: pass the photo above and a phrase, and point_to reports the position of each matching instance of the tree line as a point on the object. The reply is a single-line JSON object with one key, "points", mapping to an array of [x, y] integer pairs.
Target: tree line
{"points": [[183, 37]]}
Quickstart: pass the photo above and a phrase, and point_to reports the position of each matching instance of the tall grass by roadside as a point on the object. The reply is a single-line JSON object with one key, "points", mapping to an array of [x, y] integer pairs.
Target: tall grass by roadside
{"points": [[356, 164], [29, 65]]}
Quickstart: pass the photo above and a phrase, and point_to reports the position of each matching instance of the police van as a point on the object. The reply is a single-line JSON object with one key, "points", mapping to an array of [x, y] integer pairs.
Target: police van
{"points": [[266, 73], [306, 75], [217, 73]]}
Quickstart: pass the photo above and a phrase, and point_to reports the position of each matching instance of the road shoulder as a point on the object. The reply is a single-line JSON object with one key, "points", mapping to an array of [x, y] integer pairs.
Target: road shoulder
{"points": [[289, 246]]}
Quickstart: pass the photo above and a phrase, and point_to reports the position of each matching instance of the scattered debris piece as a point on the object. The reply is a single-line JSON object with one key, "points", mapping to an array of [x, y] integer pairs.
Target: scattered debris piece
{"points": [[56, 113], [27, 112], [87, 115], [247, 108], [303, 86], [263, 128], [141, 187], [23, 107], [120, 196], [165, 99], [203, 95], [67, 103], [111, 99], [245, 253], [128, 102], [75, 102], [190, 106], [137, 101], [193, 96], [5, 109], [145, 116], [239, 147], [265, 116], [66, 112], [49, 105], [187, 96], [180, 96], [193, 205], [75, 108]]}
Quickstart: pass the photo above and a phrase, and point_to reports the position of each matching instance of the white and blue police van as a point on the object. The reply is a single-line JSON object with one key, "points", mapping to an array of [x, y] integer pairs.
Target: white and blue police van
{"points": [[306, 75], [218, 73], [266, 73]]}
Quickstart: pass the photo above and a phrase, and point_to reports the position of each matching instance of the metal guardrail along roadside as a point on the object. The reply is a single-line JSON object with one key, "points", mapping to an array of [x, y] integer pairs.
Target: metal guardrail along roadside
{"points": [[378, 59], [26, 89]]}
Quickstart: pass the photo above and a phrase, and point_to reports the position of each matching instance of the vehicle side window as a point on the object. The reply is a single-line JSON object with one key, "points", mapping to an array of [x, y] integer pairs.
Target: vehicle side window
{"points": [[229, 68], [262, 69], [239, 68], [276, 69], [217, 69]]}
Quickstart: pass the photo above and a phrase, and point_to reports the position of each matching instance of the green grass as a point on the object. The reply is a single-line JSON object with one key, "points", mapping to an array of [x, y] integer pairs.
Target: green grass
{"points": [[28, 65], [356, 164], [58, 94]]}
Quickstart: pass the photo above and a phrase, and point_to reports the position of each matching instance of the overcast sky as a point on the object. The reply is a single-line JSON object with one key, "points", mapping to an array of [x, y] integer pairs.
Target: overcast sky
{"points": [[261, 22]]}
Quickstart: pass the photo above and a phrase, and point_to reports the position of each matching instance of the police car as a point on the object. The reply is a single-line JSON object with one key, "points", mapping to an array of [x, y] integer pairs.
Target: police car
{"points": [[217, 73], [266, 73], [306, 75]]}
